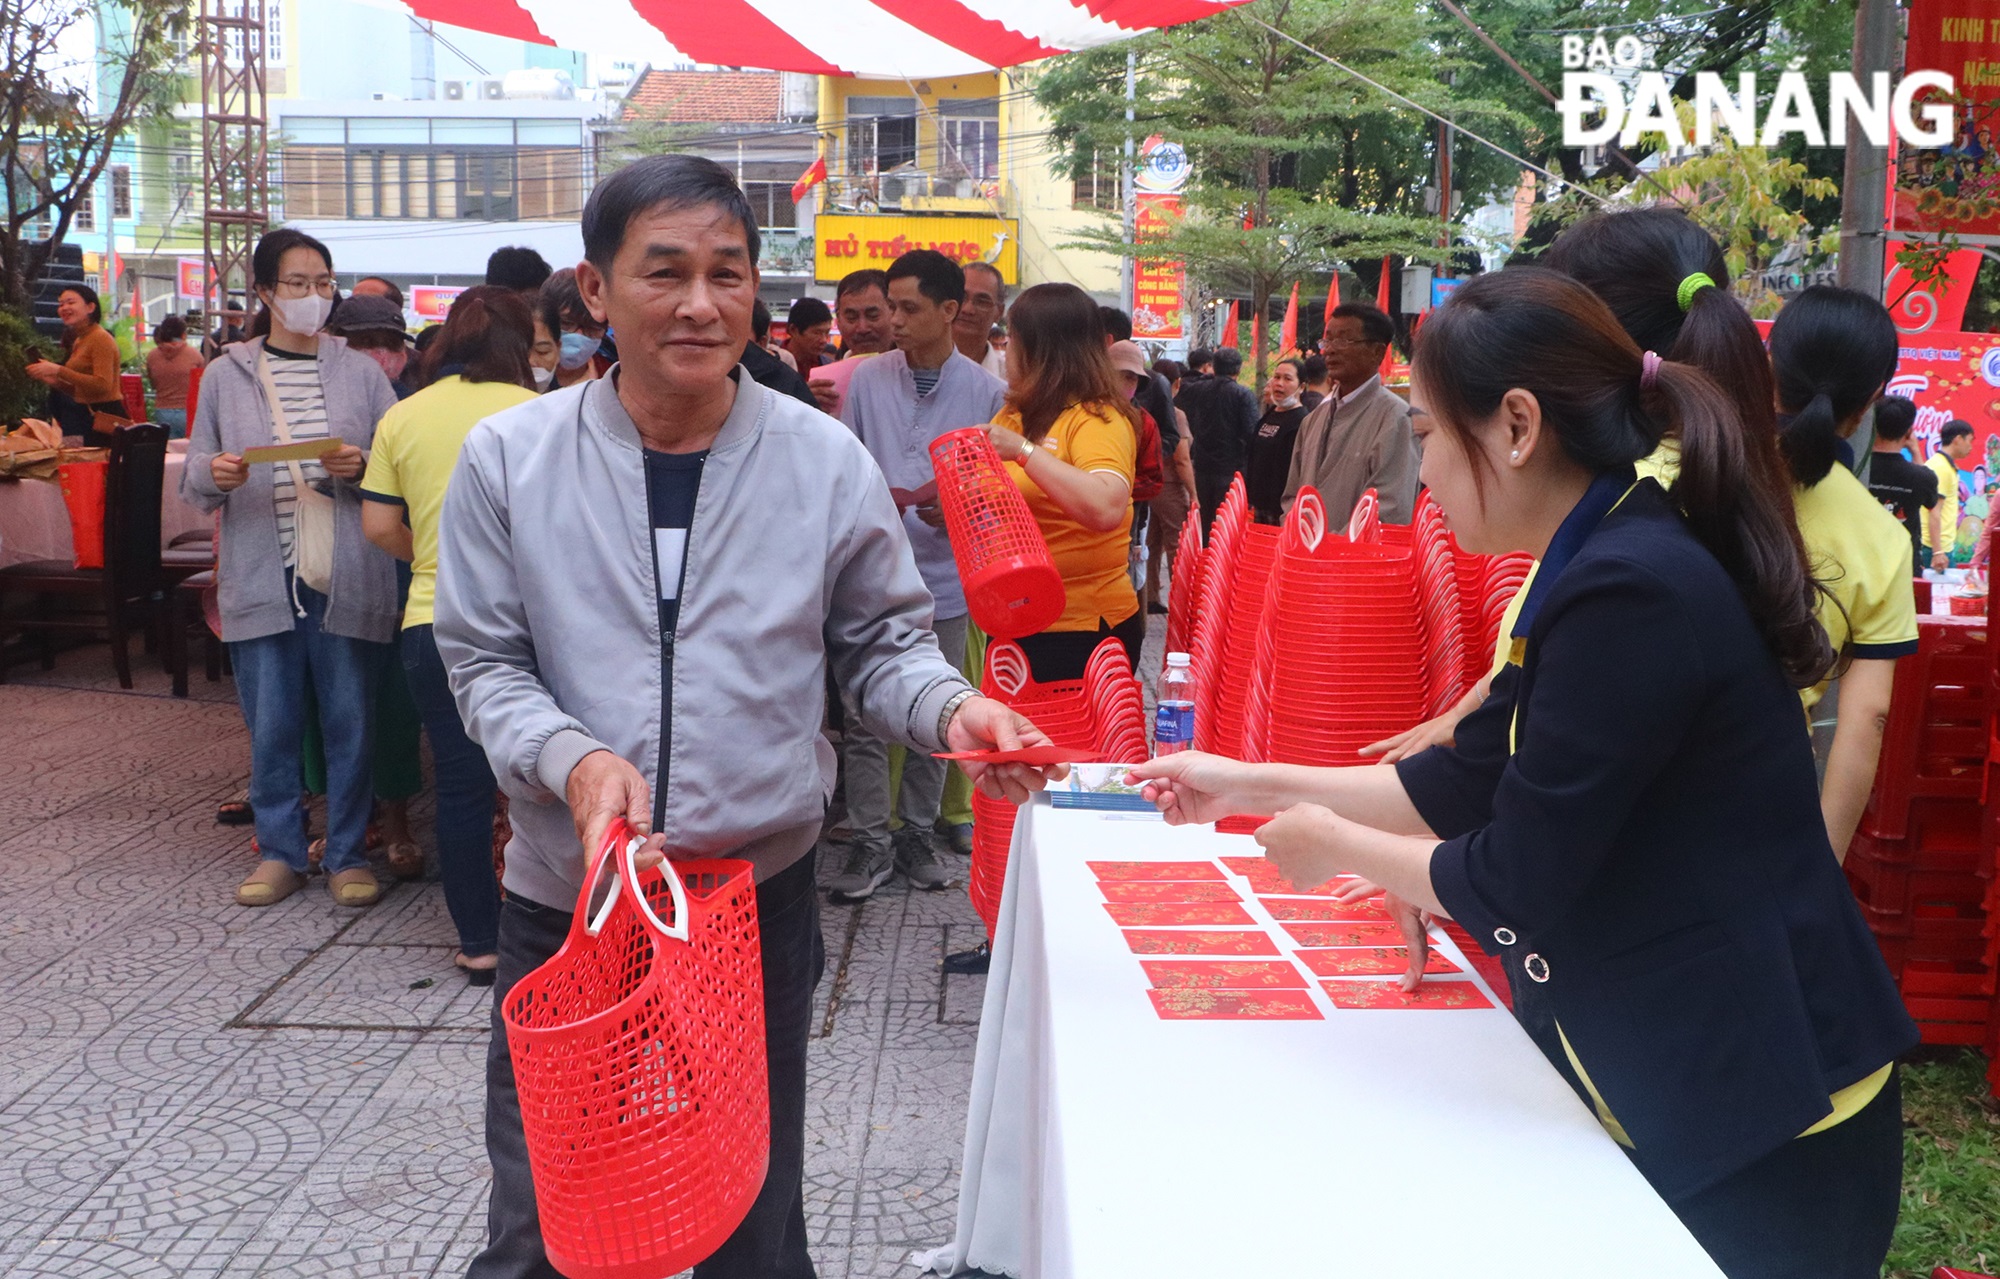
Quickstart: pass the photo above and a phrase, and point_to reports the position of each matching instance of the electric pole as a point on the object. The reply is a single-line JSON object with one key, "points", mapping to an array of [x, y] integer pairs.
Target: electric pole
{"points": [[1878, 46]]}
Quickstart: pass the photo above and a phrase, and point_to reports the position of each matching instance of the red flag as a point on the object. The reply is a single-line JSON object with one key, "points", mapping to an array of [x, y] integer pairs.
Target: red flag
{"points": [[1382, 304], [1332, 301], [1229, 327], [1288, 336], [811, 178]]}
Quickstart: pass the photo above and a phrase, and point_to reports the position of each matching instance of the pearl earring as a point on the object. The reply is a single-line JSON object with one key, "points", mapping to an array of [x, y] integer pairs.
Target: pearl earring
{"points": [[1516, 455]]}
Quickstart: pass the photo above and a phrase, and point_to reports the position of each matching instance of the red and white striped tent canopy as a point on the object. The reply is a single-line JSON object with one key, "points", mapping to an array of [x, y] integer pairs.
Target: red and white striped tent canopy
{"points": [[884, 38]]}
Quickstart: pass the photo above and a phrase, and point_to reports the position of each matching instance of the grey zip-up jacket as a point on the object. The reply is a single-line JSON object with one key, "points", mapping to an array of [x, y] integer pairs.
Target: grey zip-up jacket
{"points": [[233, 415], [548, 619]]}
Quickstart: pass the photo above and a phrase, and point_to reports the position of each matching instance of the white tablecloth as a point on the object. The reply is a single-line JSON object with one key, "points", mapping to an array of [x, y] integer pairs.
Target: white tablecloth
{"points": [[34, 522], [1104, 1142]]}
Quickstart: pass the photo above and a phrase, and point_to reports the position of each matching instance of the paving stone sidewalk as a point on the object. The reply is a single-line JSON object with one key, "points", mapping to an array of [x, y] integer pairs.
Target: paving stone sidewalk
{"points": [[191, 1089]]}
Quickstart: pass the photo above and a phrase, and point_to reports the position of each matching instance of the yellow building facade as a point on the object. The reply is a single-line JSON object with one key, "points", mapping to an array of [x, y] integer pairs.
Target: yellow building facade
{"points": [[960, 165]]}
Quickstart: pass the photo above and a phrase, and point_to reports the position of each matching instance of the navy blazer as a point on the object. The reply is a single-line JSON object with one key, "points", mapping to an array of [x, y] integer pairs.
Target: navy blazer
{"points": [[1649, 856]]}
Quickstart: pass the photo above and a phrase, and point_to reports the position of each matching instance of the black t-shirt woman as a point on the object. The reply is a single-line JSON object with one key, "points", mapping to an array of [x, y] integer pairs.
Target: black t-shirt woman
{"points": [[1271, 447]]}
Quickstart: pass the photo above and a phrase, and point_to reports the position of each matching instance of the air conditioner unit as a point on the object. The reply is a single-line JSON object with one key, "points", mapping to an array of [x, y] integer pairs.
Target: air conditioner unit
{"points": [[454, 90], [492, 90]]}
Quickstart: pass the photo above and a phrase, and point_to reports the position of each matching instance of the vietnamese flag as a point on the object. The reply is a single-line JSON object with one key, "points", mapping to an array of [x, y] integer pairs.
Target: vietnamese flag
{"points": [[811, 178], [1332, 300], [1288, 336], [1229, 327], [1382, 304]]}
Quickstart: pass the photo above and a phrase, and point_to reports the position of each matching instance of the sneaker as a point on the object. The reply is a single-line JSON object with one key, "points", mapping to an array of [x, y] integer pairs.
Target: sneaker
{"points": [[868, 868], [917, 858], [969, 963], [960, 835], [269, 884]]}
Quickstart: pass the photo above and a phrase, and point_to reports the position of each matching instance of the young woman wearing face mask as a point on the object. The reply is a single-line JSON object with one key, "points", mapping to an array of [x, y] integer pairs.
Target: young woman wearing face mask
{"points": [[305, 599], [1631, 820], [478, 367], [1271, 447], [580, 336], [545, 356]]}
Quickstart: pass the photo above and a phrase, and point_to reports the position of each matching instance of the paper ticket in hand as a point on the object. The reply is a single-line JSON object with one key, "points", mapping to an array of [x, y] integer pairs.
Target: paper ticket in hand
{"points": [[297, 451]]}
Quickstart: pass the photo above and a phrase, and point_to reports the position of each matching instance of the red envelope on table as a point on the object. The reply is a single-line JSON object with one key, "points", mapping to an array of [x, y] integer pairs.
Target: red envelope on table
{"points": [[1302, 910], [1222, 974], [1165, 890], [1238, 942], [1235, 1005], [1266, 878], [907, 498], [1154, 870], [1349, 933], [1039, 756], [1369, 961], [1387, 994], [1153, 914]]}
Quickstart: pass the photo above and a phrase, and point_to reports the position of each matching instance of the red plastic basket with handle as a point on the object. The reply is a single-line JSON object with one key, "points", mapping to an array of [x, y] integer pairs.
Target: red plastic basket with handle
{"points": [[638, 1051], [1012, 587]]}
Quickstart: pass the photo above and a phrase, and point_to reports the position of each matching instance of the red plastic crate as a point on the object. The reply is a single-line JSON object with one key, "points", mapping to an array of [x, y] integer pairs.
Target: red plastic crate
{"points": [[1934, 745]]}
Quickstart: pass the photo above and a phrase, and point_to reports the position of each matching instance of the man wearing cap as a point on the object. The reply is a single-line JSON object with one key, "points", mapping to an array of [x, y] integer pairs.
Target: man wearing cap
{"points": [[897, 404], [373, 325]]}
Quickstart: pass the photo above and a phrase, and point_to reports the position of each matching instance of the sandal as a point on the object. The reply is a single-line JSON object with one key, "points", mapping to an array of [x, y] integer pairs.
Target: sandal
{"points": [[355, 886], [479, 970], [406, 860], [315, 854], [269, 884], [235, 812]]}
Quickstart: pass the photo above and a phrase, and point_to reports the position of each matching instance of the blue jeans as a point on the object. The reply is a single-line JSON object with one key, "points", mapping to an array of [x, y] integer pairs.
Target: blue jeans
{"points": [[272, 674], [464, 799], [175, 420]]}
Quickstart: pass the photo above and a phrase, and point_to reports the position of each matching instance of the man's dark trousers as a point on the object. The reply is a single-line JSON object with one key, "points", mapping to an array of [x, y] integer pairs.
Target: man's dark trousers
{"points": [[771, 1242]]}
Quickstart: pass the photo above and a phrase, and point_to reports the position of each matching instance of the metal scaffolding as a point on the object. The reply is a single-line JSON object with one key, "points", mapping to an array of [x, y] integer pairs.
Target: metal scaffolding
{"points": [[235, 173]]}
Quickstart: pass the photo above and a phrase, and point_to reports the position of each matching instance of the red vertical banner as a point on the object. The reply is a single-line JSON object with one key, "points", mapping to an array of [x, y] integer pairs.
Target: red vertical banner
{"points": [[1229, 337], [1384, 304], [1288, 336], [1157, 283], [1953, 189]]}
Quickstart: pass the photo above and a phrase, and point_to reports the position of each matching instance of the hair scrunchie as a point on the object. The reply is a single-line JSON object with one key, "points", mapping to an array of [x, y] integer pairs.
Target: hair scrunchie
{"points": [[1692, 285], [1649, 370]]}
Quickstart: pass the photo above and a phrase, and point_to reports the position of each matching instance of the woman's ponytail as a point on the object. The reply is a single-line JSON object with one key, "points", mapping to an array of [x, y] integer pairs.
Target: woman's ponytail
{"points": [[1746, 521], [1832, 352], [1808, 439]]}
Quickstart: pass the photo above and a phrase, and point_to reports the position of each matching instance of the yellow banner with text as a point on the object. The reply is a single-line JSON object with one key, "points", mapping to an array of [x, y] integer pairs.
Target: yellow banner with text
{"points": [[846, 242]]}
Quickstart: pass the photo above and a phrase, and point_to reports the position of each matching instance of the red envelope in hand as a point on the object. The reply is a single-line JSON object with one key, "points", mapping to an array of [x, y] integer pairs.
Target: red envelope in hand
{"points": [[1242, 941], [1039, 756], [907, 498], [1155, 870], [1303, 910], [1164, 890], [1223, 974], [1369, 961], [1235, 1005], [1351, 933], [1154, 914], [1387, 994]]}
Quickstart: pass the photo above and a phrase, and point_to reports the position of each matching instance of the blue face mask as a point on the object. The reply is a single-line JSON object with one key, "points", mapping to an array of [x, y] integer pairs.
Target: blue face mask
{"points": [[576, 350]]}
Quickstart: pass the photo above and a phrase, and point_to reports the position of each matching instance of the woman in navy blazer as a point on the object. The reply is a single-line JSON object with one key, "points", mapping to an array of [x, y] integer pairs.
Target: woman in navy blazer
{"points": [[1632, 818]]}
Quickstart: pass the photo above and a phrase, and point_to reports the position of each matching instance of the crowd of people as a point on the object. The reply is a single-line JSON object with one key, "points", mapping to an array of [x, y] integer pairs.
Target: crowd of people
{"points": [[622, 553]]}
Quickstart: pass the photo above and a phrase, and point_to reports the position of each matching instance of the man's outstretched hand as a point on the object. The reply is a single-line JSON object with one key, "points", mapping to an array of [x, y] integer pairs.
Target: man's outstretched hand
{"points": [[983, 724]]}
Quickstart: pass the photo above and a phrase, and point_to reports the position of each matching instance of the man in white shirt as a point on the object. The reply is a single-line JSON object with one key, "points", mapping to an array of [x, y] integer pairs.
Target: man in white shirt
{"points": [[897, 404], [985, 303]]}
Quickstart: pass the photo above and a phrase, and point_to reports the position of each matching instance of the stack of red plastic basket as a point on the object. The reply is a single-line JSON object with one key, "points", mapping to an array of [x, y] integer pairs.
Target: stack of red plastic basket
{"points": [[1922, 863], [1186, 588], [1213, 602], [1012, 587], [1445, 640], [1347, 665], [1104, 712]]}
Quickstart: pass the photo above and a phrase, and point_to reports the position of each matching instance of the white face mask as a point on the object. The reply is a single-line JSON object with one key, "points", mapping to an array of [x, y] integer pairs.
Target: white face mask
{"points": [[1291, 401], [542, 376], [304, 316]]}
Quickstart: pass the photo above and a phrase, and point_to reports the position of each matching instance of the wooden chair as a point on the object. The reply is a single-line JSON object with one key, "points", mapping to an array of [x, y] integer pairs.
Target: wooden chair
{"points": [[187, 616], [128, 584]]}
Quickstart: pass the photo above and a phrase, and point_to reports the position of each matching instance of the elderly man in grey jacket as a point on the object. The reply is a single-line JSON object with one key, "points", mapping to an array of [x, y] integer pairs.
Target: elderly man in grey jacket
{"points": [[641, 583]]}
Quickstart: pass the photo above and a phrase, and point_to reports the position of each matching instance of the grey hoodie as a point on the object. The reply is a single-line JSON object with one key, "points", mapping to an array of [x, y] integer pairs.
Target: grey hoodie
{"points": [[548, 620], [233, 415]]}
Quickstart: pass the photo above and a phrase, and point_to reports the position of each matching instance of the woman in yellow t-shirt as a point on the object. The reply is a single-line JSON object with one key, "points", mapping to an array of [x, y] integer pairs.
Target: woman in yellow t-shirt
{"points": [[1070, 441], [478, 367], [1832, 351]]}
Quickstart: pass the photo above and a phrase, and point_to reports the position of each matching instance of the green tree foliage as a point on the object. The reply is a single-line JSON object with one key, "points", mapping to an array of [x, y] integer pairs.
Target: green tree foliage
{"points": [[56, 133]]}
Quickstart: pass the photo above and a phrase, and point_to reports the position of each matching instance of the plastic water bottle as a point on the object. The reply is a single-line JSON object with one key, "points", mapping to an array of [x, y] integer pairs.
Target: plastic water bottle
{"points": [[1173, 719]]}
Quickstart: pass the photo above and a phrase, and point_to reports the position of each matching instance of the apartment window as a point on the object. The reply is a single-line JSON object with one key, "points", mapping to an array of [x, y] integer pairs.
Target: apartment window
{"points": [[881, 134], [1095, 185], [181, 177], [274, 32], [773, 203], [84, 217], [121, 190], [970, 138]]}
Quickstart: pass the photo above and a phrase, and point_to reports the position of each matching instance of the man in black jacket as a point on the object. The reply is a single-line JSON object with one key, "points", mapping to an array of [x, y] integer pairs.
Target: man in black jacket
{"points": [[1222, 415], [1905, 488]]}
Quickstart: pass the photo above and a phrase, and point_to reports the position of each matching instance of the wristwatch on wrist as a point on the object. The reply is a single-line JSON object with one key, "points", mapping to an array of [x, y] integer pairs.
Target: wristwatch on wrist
{"points": [[950, 710]]}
